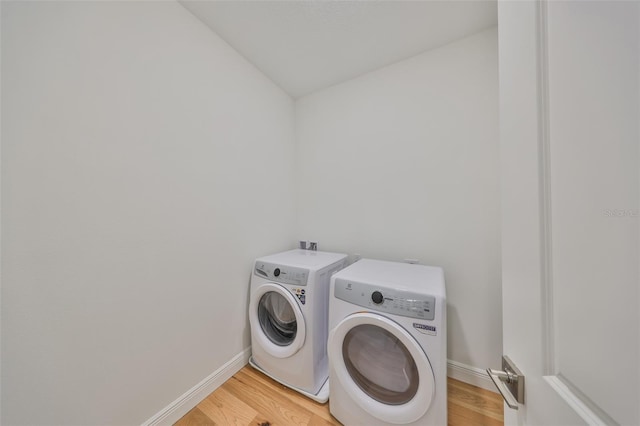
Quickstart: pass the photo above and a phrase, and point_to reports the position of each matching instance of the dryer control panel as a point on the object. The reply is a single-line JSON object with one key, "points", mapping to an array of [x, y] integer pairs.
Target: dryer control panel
{"points": [[384, 299], [282, 274]]}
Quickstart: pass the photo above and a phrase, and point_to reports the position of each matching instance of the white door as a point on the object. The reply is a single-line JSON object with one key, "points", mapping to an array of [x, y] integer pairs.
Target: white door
{"points": [[569, 130]]}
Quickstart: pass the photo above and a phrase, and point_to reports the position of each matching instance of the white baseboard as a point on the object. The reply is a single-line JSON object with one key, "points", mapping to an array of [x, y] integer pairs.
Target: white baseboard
{"points": [[181, 406], [471, 375]]}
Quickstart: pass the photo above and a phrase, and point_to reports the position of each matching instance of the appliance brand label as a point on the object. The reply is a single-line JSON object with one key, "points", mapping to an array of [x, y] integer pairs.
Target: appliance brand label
{"points": [[425, 329]]}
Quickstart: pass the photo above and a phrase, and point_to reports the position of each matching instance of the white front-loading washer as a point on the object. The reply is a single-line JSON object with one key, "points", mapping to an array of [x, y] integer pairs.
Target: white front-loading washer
{"points": [[288, 314], [387, 344]]}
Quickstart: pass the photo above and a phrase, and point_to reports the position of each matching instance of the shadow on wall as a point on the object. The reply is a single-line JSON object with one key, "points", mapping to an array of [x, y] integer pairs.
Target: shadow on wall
{"points": [[454, 322], [246, 332]]}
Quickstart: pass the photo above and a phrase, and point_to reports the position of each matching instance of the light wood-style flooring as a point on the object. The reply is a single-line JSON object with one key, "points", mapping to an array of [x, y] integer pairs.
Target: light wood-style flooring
{"points": [[251, 398]]}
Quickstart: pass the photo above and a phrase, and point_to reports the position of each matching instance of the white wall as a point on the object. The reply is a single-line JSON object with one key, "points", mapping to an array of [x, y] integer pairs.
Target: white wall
{"points": [[403, 163], [135, 146]]}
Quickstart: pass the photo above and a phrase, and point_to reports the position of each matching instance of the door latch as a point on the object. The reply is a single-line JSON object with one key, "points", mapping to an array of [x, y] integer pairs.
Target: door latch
{"points": [[509, 381]]}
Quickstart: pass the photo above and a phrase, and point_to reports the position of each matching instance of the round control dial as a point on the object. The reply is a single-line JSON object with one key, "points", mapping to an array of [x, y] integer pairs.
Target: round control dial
{"points": [[276, 272], [377, 298]]}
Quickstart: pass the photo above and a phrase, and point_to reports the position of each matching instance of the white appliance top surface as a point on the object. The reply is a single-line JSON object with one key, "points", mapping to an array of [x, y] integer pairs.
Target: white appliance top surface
{"points": [[395, 275], [312, 260]]}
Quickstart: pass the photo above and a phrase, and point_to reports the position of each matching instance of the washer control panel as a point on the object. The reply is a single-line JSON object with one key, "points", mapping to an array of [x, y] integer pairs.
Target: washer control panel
{"points": [[282, 274], [396, 302]]}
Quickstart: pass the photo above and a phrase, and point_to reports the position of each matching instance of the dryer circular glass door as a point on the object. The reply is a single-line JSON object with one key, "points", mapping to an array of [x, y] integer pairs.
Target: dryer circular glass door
{"points": [[382, 367], [276, 320]]}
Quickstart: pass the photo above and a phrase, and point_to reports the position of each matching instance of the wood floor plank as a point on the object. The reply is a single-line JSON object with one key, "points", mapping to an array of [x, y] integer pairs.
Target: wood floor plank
{"points": [[226, 409], [252, 398], [195, 417], [273, 406], [492, 396], [475, 399], [320, 410], [260, 420], [459, 416], [319, 421]]}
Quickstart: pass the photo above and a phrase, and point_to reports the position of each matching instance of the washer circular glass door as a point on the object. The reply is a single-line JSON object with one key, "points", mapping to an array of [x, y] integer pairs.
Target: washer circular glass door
{"points": [[276, 320], [382, 367]]}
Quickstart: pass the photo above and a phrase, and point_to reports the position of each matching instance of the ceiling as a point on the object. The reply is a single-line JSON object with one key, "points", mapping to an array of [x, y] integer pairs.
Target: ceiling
{"points": [[307, 45]]}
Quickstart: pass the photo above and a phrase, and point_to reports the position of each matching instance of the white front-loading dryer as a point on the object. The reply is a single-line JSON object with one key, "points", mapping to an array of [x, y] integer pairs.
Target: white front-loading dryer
{"points": [[288, 314], [387, 344]]}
